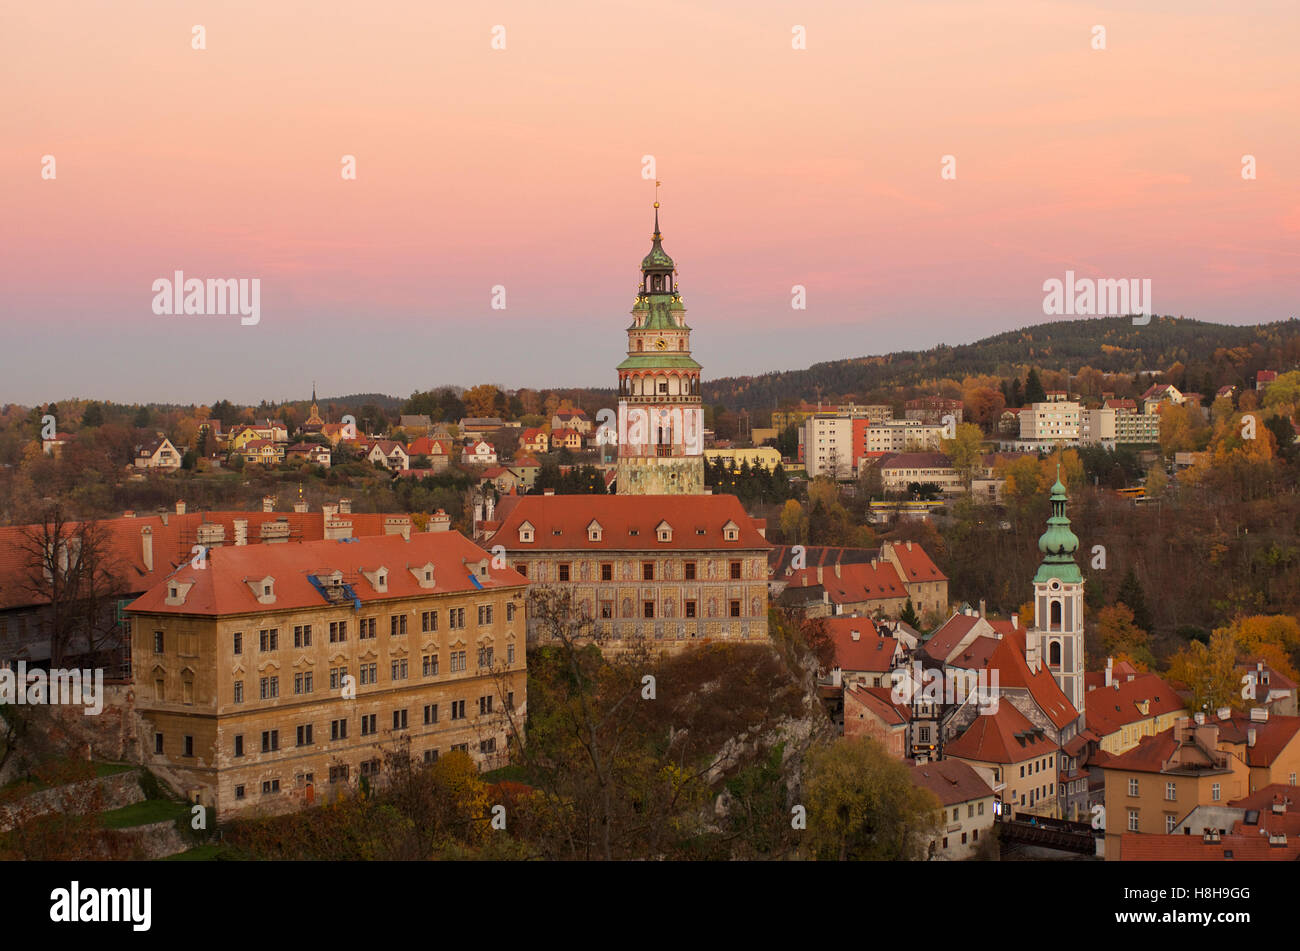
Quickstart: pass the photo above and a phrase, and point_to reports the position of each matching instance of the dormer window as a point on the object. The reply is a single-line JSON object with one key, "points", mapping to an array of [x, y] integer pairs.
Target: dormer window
{"points": [[526, 532], [664, 532], [731, 531], [594, 531]]}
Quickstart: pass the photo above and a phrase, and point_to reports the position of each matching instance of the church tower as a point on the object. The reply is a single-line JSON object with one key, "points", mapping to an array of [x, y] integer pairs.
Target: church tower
{"points": [[660, 418], [1056, 639], [314, 422]]}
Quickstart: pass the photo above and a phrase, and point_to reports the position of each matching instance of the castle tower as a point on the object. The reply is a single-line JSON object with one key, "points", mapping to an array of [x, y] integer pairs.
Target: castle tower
{"points": [[1056, 639], [660, 418]]}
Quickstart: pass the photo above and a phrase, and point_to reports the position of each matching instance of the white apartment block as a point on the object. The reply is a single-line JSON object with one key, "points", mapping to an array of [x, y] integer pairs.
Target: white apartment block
{"points": [[904, 435], [1050, 422], [1136, 428], [1097, 427], [828, 445]]}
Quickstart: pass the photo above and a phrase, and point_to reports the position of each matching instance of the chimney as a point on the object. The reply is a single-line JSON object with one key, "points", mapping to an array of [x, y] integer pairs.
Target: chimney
{"points": [[837, 569], [1224, 712], [241, 532], [329, 510], [856, 635], [146, 545], [548, 491], [439, 521], [981, 607], [909, 544], [1259, 714], [300, 505], [1250, 736], [345, 506], [268, 503], [1110, 671], [819, 574], [337, 528], [180, 506], [129, 513], [1200, 719], [1015, 622]]}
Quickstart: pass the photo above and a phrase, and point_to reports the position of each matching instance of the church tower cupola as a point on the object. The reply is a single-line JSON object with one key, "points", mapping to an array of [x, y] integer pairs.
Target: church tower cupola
{"points": [[661, 418], [1056, 640]]}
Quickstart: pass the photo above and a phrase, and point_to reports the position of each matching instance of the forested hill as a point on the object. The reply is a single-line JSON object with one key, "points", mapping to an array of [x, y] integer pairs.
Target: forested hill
{"points": [[1112, 344]]}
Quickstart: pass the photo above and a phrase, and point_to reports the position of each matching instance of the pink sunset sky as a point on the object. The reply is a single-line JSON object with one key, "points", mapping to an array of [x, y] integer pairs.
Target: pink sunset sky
{"points": [[522, 167]]}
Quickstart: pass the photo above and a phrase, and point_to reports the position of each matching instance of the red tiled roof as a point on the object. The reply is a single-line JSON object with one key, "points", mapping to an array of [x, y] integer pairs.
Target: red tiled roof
{"points": [[172, 545], [1119, 671], [916, 460], [952, 780], [870, 652], [943, 641], [1003, 737], [855, 582], [560, 522], [1243, 847], [879, 701], [222, 586], [1108, 709]]}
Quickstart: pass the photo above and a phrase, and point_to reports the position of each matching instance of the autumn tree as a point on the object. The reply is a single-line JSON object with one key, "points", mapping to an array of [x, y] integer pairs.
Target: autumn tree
{"points": [[965, 450], [863, 806], [1210, 672]]}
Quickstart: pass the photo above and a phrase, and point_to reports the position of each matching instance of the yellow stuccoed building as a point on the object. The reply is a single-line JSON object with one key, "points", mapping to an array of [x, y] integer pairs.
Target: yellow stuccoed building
{"points": [[274, 676]]}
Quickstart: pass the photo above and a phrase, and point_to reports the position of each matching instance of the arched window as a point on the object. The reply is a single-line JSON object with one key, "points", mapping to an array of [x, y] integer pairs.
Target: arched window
{"points": [[1054, 654], [1056, 614]]}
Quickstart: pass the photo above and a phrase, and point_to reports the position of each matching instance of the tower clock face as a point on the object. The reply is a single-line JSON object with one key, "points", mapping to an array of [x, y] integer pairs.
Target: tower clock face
{"points": [[661, 344]]}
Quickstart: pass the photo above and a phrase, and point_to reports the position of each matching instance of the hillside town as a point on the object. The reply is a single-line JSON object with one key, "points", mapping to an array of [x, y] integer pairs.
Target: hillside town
{"points": [[268, 657]]}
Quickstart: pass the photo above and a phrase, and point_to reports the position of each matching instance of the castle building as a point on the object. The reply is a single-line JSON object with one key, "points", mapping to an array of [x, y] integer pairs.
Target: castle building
{"points": [[660, 417], [274, 676], [1056, 639]]}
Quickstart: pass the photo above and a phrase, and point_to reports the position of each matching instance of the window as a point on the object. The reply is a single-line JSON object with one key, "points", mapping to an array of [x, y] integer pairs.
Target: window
{"points": [[366, 628], [487, 746], [269, 640], [369, 673], [510, 611], [189, 745], [484, 614], [397, 625], [510, 699], [456, 618], [463, 747], [648, 571], [399, 719], [430, 756], [607, 571], [735, 571], [239, 744], [648, 609], [1215, 792], [690, 609], [239, 642], [338, 774], [963, 838], [485, 705], [430, 713], [458, 709], [522, 569], [458, 662], [270, 786], [239, 691], [1132, 787], [302, 635], [485, 657], [430, 665], [239, 792], [369, 724], [336, 677], [606, 609], [399, 669], [690, 571], [302, 682], [981, 808], [370, 767], [510, 660], [735, 608], [338, 632], [158, 642], [1132, 820], [429, 621], [1171, 791], [338, 729], [304, 735], [970, 811], [1170, 822], [270, 741]]}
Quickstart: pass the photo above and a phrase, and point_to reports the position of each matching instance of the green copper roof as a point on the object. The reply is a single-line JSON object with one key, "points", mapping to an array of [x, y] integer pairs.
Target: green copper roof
{"points": [[657, 259], [651, 361], [660, 315], [1058, 544]]}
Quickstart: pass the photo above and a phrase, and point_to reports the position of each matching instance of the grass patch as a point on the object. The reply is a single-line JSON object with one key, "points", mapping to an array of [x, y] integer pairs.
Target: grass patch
{"points": [[144, 813], [112, 769], [511, 773]]}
